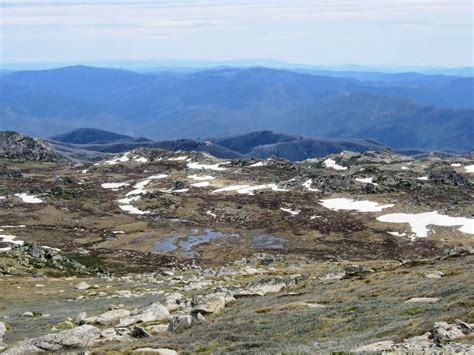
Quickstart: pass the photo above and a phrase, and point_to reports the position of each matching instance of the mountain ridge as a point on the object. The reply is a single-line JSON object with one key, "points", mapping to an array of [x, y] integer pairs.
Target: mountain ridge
{"points": [[229, 101], [259, 144]]}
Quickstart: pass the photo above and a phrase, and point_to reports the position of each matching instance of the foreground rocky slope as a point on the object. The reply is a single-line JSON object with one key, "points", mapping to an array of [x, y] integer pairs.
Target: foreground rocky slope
{"points": [[266, 302], [184, 252]]}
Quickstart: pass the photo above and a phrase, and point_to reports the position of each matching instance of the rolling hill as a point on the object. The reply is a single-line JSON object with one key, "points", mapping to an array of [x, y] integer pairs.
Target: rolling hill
{"points": [[261, 144], [400, 110]]}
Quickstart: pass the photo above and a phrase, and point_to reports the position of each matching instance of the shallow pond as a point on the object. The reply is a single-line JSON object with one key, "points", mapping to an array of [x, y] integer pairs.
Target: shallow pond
{"points": [[185, 244]]}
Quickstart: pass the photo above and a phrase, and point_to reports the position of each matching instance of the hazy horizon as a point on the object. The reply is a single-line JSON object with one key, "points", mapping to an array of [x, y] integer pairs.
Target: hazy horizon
{"points": [[335, 33], [194, 64]]}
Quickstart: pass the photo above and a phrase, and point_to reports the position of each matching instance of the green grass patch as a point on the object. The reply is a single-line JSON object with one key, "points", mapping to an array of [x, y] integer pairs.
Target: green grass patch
{"points": [[412, 311]]}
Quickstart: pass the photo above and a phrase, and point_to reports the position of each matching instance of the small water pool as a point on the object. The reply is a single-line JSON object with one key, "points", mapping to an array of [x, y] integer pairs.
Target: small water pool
{"points": [[185, 244]]}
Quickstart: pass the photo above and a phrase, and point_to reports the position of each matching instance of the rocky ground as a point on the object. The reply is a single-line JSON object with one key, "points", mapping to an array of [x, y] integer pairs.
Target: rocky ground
{"points": [[183, 252]]}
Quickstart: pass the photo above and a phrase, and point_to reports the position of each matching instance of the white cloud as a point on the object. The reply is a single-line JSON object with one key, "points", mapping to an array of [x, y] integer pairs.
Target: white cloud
{"points": [[321, 32]]}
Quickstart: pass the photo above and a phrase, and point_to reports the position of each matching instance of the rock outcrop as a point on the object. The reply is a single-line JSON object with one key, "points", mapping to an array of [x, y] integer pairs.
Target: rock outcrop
{"points": [[76, 338], [16, 146]]}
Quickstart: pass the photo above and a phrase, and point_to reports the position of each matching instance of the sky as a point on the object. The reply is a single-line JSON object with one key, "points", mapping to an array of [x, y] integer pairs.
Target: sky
{"points": [[435, 33]]}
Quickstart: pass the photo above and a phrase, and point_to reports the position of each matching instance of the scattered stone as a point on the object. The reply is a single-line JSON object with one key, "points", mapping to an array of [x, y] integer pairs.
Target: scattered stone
{"points": [[112, 316], [466, 328], [267, 285], [167, 273], [154, 312], [160, 351], [252, 271], [439, 341], [200, 317], [64, 325], [172, 301], [346, 272], [334, 183], [28, 314], [124, 293], [82, 286], [3, 330], [139, 332], [157, 329], [443, 332], [76, 338], [88, 320], [422, 300], [108, 333], [378, 347], [448, 177], [434, 274], [333, 275], [180, 322], [211, 303]]}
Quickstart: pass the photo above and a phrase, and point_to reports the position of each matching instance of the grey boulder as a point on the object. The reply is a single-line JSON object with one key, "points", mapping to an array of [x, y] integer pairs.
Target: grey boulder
{"points": [[76, 338]]}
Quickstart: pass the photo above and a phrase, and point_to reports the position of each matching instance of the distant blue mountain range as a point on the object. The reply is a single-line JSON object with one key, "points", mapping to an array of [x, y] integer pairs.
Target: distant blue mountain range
{"points": [[407, 110]]}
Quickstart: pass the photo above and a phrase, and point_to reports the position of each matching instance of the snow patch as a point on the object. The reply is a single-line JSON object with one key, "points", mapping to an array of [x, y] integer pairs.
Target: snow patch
{"points": [[369, 180], [178, 158], [159, 176], [331, 163], [276, 188], [201, 178], [132, 209], [212, 214], [124, 158], [245, 189], [119, 159], [469, 168], [114, 185], [180, 190], [170, 191], [290, 211], [419, 222], [349, 204], [216, 167], [139, 187], [201, 184], [250, 190], [260, 163], [456, 165], [423, 178], [128, 200], [29, 198], [140, 159], [231, 188], [307, 185], [9, 239], [397, 234], [134, 195]]}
